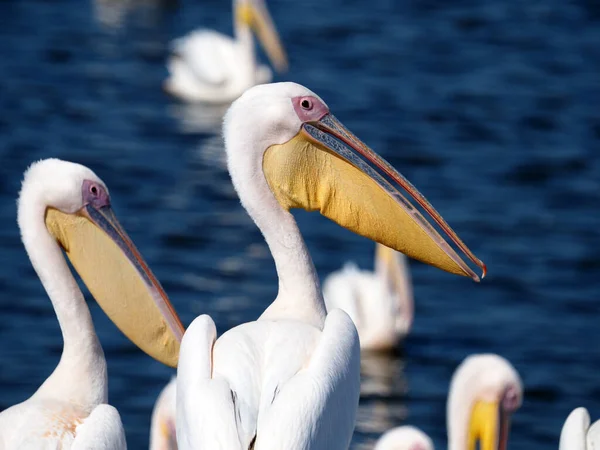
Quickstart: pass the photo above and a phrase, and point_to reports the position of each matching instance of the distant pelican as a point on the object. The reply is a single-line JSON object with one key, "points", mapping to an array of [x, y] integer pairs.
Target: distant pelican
{"points": [[484, 392], [577, 434], [211, 67], [380, 303], [65, 206], [291, 380]]}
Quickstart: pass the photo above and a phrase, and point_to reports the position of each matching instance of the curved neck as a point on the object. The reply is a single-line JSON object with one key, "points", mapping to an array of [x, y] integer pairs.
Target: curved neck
{"points": [[80, 376], [246, 57], [299, 296], [458, 410]]}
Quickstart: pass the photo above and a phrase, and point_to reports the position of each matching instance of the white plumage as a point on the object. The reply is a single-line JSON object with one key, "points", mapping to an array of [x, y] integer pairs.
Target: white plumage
{"points": [[404, 438], [162, 425]]}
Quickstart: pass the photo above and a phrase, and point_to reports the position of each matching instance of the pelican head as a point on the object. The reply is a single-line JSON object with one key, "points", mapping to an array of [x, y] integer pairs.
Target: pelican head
{"points": [[284, 134], [75, 207], [404, 438], [255, 15], [484, 392]]}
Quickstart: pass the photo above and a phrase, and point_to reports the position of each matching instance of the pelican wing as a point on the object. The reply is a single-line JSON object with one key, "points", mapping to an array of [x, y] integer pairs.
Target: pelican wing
{"points": [[102, 430], [574, 431], [593, 436], [214, 427], [317, 407]]}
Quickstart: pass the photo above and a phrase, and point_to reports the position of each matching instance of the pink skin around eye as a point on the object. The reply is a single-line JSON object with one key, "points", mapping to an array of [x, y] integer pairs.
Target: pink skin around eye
{"points": [[511, 400], [314, 112], [94, 194]]}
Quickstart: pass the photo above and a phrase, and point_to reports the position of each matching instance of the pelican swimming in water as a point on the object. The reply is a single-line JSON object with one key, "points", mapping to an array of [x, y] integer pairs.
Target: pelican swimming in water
{"points": [[484, 392], [291, 379], [380, 303], [66, 207], [210, 67], [577, 434]]}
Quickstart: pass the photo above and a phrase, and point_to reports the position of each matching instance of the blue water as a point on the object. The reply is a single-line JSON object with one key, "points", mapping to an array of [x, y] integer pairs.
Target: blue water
{"points": [[491, 108]]}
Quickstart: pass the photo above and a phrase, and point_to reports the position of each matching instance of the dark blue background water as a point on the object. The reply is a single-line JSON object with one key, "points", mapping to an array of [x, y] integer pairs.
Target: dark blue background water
{"points": [[489, 107]]}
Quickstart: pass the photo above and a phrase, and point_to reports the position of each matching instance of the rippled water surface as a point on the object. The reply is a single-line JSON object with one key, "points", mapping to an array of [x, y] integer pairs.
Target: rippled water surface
{"points": [[490, 108]]}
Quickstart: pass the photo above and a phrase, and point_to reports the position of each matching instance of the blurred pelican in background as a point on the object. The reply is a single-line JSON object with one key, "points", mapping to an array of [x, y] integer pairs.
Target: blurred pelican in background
{"points": [[291, 379], [380, 303], [485, 390], [210, 67], [65, 206], [577, 434]]}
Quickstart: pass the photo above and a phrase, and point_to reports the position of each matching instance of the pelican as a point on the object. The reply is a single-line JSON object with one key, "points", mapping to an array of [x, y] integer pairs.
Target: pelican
{"points": [[210, 67], [291, 379], [380, 303], [485, 390], [65, 207], [577, 434]]}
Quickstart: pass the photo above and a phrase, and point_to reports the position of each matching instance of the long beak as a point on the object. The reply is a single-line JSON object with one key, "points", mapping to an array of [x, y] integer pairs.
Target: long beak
{"points": [[488, 425], [259, 19], [326, 168], [119, 279]]}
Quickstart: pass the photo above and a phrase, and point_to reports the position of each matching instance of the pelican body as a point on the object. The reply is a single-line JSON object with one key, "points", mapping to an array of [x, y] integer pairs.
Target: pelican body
{"points": [[484, 392], [291, 379], [210, 67], [380, 303], [66, 207]]}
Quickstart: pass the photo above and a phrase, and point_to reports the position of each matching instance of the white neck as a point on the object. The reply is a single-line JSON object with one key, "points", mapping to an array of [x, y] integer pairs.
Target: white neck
{"points": [[460, 402], [246, 57], [80, 376], [299, 296]]}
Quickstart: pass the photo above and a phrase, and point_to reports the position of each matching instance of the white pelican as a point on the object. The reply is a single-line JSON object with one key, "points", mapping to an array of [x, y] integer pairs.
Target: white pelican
{"points": [[577, 434], [291, 379], [485, 390], [65, 206], [211, 67], [380, 303]]}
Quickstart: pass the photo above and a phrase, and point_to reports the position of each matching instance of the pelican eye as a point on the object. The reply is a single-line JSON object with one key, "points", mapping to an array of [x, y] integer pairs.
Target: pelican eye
{"points": [[93, 189], [306, 104]]}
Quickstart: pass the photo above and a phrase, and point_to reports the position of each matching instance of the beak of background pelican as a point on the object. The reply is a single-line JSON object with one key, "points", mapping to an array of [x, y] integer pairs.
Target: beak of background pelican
{"points": [[488, 425], [326, 168], [119, 279], [257, 17]]}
